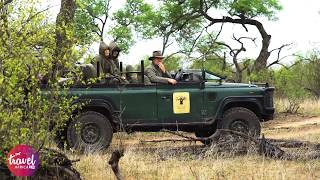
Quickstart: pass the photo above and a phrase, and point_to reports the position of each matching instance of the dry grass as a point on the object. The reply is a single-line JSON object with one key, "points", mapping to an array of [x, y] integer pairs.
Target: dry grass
{"points": [[140, 165], [307, 106], [311, 107], [190, 161]]}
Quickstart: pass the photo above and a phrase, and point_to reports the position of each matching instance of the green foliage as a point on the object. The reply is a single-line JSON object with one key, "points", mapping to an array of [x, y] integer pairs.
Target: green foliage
{"points": [[173, 63], [301, 80], [135, 16], [27, 55], [124, 37], [251, 8], [214, 64], [288, 86], [87, 24], [166, 19], [265, 76], [288, 83], [311, 72]]}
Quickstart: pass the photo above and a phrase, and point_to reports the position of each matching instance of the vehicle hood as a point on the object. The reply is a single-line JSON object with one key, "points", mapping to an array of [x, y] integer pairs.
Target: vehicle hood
{"points": [[229, 85]]}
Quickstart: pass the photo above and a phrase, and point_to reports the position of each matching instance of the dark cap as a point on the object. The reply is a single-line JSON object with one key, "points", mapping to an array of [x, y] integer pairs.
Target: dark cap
{"points": [[156, 54]]}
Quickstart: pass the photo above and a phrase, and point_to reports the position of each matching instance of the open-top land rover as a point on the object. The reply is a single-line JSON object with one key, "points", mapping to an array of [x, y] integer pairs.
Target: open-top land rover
{"points": [[200, 102]]}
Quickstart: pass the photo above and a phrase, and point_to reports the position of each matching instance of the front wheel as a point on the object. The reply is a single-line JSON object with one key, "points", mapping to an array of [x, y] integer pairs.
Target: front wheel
{"points": [[90, 132], [242, 120]]}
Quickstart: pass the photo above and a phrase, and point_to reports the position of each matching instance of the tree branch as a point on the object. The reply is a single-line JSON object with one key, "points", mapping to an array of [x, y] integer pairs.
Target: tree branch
{"points": [[106, 13], [92, 15], [279, 49], [264, 54], [31, 17]]}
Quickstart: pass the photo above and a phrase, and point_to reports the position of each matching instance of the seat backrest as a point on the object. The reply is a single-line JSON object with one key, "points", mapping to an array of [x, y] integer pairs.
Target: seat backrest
{"points": [[88, 70]]}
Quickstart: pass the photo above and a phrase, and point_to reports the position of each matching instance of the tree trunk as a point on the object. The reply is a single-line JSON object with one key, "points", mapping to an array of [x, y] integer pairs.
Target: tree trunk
{"points": [[261, 61], [64, 33]]}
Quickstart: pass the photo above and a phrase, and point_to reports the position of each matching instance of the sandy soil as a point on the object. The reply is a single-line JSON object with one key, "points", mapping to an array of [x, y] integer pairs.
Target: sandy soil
{"points": [[300, 123]]}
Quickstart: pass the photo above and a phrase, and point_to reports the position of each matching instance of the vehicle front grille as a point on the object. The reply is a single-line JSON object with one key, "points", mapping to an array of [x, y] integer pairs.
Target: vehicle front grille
{"points": [[268, 99]]}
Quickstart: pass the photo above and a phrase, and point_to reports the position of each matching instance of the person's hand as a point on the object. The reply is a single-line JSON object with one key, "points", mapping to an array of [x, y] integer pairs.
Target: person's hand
{"points": [[161, 66], [172, 81]]}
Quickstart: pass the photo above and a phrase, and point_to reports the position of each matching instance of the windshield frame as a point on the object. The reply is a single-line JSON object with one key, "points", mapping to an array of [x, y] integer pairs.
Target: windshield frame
{"points": [[219, 77]]}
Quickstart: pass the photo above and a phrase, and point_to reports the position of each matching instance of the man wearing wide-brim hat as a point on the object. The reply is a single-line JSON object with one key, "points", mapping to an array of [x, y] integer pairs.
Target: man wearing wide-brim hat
{"points": [[156, 72]]}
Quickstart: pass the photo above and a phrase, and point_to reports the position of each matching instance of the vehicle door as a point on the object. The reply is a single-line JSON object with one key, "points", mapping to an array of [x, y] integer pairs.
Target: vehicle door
{"points": [[139, 104], [180, 103]]}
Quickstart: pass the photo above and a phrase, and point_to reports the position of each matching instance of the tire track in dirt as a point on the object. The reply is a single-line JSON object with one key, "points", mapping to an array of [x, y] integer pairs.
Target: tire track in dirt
{"points": [[297, 124], [300, 128]]}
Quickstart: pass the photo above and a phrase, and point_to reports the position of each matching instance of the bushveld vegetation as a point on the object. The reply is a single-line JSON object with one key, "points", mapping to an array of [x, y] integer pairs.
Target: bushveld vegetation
{"points": [[34, 48]]}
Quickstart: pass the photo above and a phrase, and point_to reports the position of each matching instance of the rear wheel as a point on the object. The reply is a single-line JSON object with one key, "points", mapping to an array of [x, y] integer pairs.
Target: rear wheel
{"points": [[90, 132], [242, 120]]}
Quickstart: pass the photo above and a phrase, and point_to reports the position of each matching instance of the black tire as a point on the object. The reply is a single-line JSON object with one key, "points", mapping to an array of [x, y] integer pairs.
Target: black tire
{"points": [[242, 120], [90, 132]]}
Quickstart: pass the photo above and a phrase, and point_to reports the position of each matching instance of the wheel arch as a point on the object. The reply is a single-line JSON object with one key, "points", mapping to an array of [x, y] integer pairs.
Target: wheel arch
{"points": [[101, 106], [251, 103], [82, 105]]}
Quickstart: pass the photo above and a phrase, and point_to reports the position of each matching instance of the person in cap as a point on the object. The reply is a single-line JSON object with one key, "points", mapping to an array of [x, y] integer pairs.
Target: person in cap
{"points": [[156, 72]]}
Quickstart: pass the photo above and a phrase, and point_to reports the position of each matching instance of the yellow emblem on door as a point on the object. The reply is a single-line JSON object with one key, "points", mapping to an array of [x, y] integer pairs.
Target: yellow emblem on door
{"points": [[181, 102]]}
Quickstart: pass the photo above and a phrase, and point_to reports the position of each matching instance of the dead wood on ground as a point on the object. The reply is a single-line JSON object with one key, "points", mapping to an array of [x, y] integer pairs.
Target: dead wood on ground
{"points": [[114, 162], [224, 140]]}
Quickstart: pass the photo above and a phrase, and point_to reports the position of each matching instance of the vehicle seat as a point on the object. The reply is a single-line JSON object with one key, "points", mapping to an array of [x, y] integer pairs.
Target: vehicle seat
{"points": [[88, 70]]}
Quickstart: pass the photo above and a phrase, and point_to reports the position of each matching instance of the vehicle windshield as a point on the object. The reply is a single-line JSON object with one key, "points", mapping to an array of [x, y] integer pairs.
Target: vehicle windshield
{"points": [[211, 77]]}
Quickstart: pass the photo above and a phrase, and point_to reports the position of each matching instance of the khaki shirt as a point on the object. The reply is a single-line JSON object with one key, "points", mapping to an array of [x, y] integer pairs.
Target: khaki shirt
{"points": [[154, 73]]}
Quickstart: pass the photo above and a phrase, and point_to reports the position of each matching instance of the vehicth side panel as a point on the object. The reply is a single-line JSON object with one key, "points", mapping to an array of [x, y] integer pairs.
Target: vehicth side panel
{"points": [[215, 95], [139, 105], [110, 95], [166, 102]]}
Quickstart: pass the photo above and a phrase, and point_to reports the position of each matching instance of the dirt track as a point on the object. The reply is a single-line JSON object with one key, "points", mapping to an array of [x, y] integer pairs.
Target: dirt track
{"points": [[289, 127], [299, 123]]}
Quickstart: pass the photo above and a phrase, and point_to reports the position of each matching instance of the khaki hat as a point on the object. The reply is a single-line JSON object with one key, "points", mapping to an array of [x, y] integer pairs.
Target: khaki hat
{"points": [[156, 54]]}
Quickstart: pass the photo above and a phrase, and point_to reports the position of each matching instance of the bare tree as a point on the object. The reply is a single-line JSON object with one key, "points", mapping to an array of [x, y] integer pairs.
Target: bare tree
{"points": [[261, 61], [234, 54]]}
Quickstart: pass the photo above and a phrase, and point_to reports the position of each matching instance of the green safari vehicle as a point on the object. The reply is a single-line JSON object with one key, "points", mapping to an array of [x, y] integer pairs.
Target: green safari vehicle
{"points": [[201, 102]]}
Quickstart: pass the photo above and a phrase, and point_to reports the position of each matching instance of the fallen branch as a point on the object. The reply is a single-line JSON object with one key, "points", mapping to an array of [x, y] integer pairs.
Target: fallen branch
{"points": [[224, 140], [264, 146], [181, 135], [114, 162], [294, 143], [169, 140]]}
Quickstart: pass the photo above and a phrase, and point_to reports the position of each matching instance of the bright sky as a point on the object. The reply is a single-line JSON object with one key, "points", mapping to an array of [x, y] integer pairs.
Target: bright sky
{"points": [[298, 23]]}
